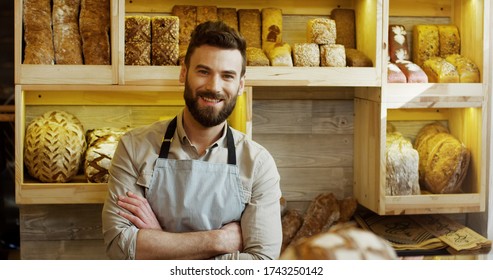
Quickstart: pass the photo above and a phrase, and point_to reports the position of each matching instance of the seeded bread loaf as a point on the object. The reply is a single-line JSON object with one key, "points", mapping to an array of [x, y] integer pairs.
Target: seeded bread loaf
{"points": [[165, 40], [187, 16], [321, 31], [426, 43], [306, 54], [333, 55], [250, 26], [256, 57], [439, 70], [228, 16], [468, 71], [206, 13], [137, 40], [449, 39]]}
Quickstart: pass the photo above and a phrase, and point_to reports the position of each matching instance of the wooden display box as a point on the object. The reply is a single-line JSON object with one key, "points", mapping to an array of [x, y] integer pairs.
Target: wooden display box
{"points": [[295, 16], [369, 167], [462, 106], [65, 74], [96, 107]]}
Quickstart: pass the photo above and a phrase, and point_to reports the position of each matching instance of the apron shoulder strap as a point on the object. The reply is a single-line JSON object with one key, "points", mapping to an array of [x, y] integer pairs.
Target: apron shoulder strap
{"points": [[167, 139], [231, 147]]}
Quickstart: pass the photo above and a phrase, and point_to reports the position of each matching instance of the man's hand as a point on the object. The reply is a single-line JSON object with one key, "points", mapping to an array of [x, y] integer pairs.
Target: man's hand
{"points": [[142, 215], [232, 238]]}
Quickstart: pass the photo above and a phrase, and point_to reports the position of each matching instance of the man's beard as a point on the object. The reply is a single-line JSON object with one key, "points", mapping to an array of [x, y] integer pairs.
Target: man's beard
{"points": [[208, 116]]}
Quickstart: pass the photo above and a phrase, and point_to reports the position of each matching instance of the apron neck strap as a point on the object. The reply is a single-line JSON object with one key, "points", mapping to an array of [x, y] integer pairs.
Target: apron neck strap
{"points": [[168, 138]]}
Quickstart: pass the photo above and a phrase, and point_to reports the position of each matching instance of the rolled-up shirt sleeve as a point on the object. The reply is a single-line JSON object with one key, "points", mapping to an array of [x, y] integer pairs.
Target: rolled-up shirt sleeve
{"points": [[119, 234]]}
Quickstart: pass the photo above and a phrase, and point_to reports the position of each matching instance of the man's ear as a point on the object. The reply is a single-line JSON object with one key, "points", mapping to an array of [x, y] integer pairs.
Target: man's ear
{"points": [[241, 89], [183, 74]]}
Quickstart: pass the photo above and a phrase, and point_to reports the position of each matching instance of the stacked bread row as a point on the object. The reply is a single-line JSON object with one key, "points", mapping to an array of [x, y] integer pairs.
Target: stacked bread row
{"points": [[437, 162], [151, 41], [326, 44], [57, 148], [66, 32], [435, 56]]}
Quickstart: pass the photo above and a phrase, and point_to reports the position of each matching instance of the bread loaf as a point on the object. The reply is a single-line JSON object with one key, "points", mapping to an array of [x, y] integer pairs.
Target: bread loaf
{"points": [[280, 55], [306, 54], [332, 55], [271, 28], [53, 147], [402, 164], [468, 71], [356, 58], [341, 243], [206, 13], [321, 31], [137, 40], [187, 16], [425, 43], [323, 210], [165, 40], [347, 208], [345, 22], [66, 37], [449, 39], [412, 71], [228, 16], [394, 74], [94, 26], [101, 145], [38, 34], [398, 48], [256, 57], [444, 160], [250, 26], [439, 70], [291, 223]]}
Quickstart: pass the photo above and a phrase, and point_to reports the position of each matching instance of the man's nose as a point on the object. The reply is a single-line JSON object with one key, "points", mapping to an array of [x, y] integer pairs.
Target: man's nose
{"points": [[214, 84]]}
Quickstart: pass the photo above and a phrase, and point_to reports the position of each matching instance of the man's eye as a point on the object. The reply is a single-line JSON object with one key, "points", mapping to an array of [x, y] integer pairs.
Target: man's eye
{"points": [[229, 77], [203, 72]]}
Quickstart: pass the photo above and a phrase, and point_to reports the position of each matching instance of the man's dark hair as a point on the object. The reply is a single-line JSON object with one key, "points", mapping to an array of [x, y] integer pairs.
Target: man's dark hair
{"points": [[216, 34]]}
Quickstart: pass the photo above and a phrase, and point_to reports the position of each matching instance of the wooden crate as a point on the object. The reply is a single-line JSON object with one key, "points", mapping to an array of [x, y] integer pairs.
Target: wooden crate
{"points": [[462, 106], [96, 107], [65, 74], [368, 18]]}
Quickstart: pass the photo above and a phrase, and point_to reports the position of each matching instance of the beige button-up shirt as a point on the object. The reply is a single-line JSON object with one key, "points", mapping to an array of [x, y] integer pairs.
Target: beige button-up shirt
{"points": [[135, 158]]}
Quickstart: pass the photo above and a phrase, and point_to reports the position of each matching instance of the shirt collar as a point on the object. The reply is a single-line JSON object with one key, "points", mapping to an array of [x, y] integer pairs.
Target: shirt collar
{"points": [[221, 142]]}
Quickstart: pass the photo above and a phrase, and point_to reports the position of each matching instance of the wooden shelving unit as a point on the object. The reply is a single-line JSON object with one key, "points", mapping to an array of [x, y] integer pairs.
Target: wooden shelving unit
{"points": [[122, 89]]}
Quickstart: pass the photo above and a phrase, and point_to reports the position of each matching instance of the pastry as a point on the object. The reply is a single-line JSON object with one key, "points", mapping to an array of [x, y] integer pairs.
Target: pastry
{"points": [[38, 35], [94, 26], [306, 54], [321, 31], [249, 25], [345, 21], [333, 55], [271, 28], [66, 37]]}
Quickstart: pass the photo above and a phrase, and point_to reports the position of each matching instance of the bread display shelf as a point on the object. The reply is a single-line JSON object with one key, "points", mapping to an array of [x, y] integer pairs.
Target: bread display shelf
{"points": [[433, 95], [96, 107], [370, 166]]}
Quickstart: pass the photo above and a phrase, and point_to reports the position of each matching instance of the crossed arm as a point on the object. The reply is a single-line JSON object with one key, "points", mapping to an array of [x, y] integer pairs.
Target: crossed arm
{"points": [[154, 243]]}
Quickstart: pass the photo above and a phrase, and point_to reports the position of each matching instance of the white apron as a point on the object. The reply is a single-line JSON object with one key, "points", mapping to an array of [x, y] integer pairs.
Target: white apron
{"points": [[194, 195]]}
